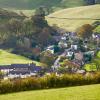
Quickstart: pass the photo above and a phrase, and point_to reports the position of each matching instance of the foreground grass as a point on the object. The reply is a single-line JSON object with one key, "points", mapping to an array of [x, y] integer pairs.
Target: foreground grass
{"points": [[7, 58], [91, 92]]}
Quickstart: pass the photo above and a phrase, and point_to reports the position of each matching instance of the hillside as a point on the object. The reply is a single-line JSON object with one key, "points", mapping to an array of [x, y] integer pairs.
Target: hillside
{"points": [[67, 18], [90, 92], [7, 58], [5, 15], [28, 6], [8, 13], [31, 4]]}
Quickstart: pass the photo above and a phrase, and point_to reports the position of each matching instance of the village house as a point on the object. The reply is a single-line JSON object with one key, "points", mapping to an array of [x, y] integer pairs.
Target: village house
{"points": [[74, 46], [50, 48], [62, 44], [20, 70]]}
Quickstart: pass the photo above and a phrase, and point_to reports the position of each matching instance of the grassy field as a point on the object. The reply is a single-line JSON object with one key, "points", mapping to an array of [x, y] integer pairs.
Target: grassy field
{"points": [[9, 58], [69, 24], [27, 13], [78, 12], [31, 4], [97, 29], [91, 92], [28, 6]]}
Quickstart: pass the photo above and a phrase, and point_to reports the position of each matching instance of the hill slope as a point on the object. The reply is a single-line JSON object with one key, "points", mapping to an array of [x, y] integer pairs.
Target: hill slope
{"points": [[90, 92], [88, 12], [31, 4], [7, 58]]}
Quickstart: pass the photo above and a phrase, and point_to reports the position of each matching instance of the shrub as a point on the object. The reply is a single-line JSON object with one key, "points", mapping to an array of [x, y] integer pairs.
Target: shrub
{"points": [[6, 87], [46, 82]]}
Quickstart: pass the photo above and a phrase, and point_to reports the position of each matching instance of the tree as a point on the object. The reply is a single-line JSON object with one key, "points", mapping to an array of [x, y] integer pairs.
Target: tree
{"points": [[85, 31], [47, 57], [42, 32], [96, 24], [15, 26], [70, 66], [43, 10], [27, 26], [40, 11], [39, 18], [1, 75], [44, 37], [39, 21], [90, 2]]}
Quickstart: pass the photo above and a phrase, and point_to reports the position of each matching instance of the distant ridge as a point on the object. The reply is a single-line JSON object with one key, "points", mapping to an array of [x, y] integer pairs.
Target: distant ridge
{"points": [[31, 4]]}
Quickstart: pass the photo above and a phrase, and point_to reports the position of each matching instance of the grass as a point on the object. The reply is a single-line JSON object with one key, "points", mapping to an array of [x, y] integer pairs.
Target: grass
{"points": [[31, 4], [78, 12], [89, 92], [98, 54], [68, 24], [27, 13], [97, 29], [90, 67], [7, 58]]}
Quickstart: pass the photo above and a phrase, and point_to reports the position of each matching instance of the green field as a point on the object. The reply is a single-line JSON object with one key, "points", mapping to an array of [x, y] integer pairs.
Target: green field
{"points": [[27, 13], [7, 58], [31, 4], [28, 6], [71, 24], [91, 92]]}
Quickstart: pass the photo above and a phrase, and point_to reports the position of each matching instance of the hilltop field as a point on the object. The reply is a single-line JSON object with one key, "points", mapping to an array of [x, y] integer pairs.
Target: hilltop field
{"points": [[32, 4], [88, 12], [90, 92], [28, 6], [69, 18]]}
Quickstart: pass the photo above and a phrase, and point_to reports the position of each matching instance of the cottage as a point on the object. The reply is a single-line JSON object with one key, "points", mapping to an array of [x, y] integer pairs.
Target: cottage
{"points": [[19, 74], [20, 70], [63, 38], [69, 54], [81, 71], [5, 68], [62, 44], [74, 47], [57, 38], [79, 56], [50, 48]]}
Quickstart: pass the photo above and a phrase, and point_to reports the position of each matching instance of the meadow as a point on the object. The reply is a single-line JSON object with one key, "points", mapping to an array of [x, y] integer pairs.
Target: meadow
{"points": [[32, 4], [7, 58], [88, 92]]}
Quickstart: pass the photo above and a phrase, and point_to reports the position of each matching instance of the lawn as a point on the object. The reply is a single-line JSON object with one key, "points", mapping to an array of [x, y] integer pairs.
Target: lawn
{"points": [[90, 67], [91, 92], [7, 58]]}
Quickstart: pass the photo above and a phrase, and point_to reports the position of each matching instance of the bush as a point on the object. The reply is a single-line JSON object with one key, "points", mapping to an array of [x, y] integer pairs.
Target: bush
{"points": [[6, 87], [46, 82]]}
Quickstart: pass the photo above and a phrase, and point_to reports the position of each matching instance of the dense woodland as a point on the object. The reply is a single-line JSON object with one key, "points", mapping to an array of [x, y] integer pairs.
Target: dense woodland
{"points": [[27, 36]]}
